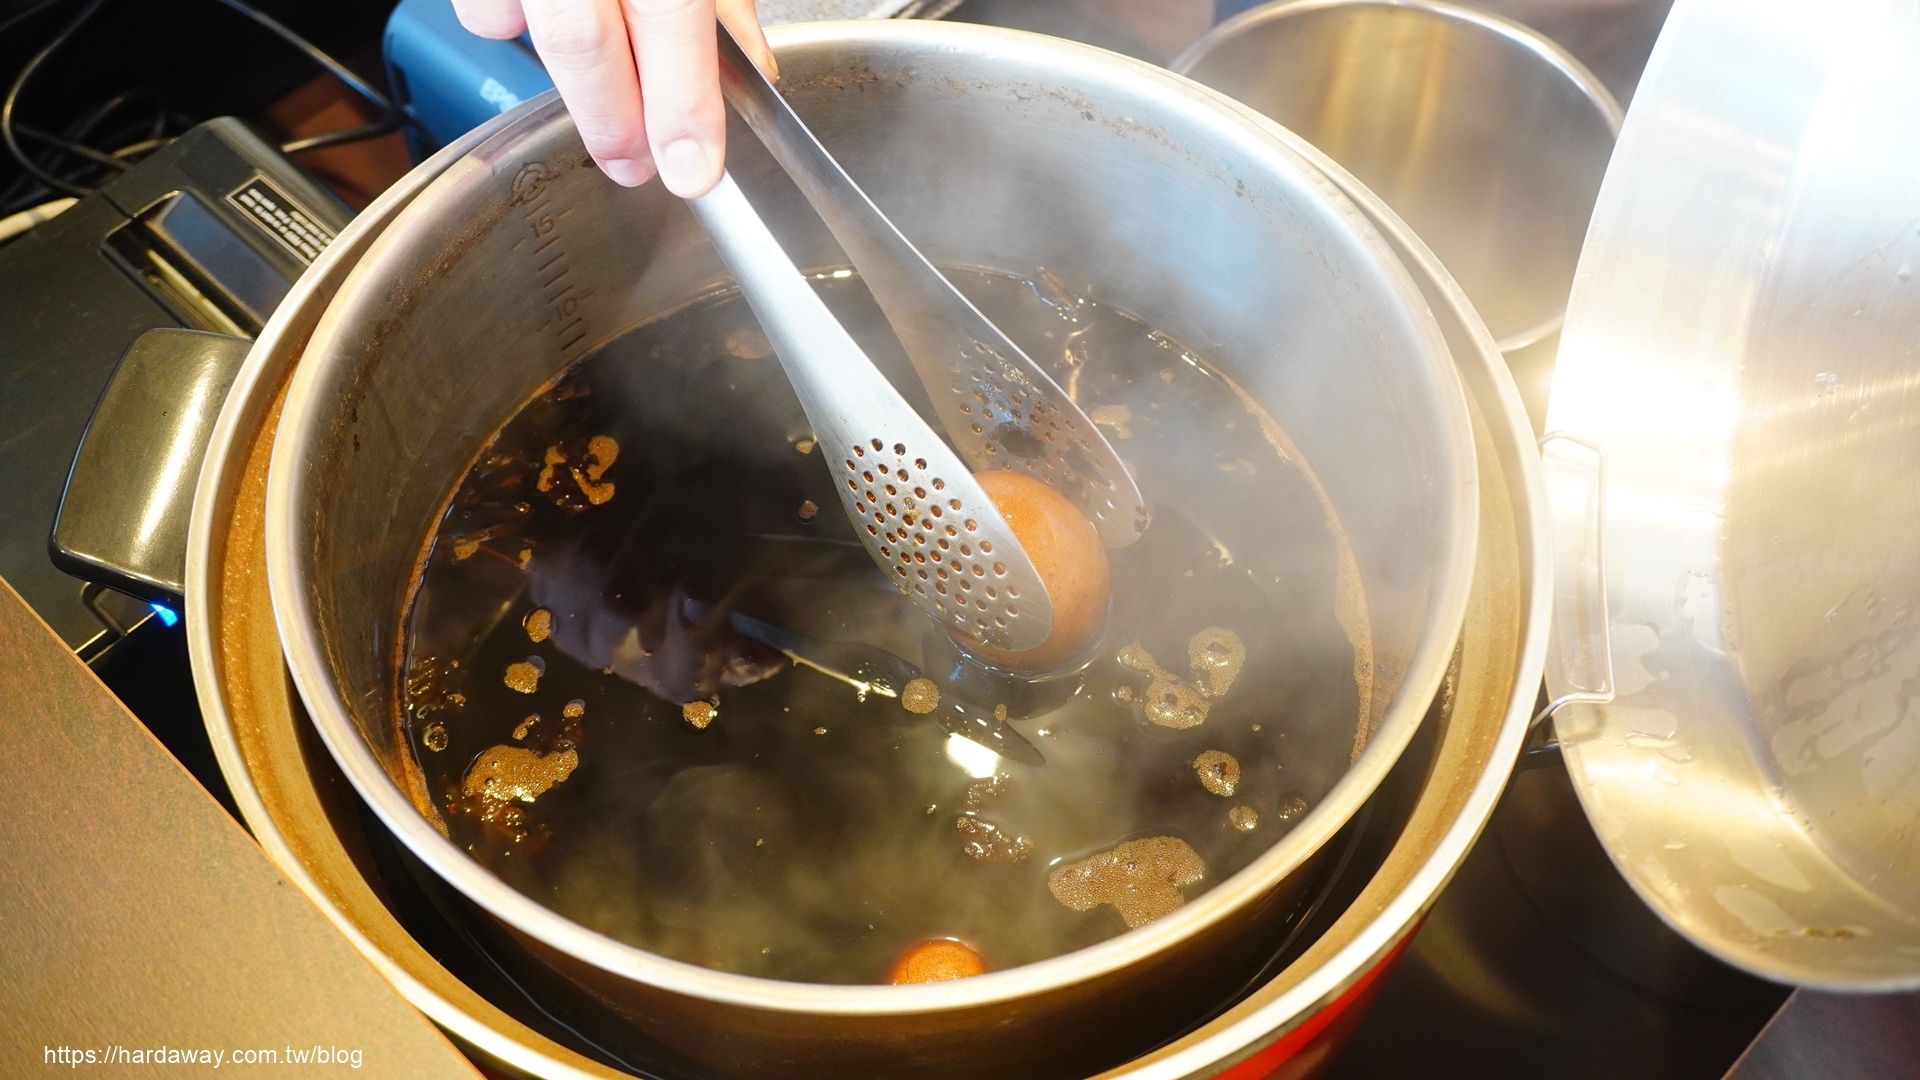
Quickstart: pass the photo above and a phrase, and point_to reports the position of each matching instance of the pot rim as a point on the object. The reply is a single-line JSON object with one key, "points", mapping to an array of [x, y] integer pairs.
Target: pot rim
{"points": [[1425, 667]]}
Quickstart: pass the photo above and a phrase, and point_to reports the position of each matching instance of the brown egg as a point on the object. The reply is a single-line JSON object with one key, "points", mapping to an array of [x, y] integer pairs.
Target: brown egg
{"points": [[1066, 552], [936, 961]]}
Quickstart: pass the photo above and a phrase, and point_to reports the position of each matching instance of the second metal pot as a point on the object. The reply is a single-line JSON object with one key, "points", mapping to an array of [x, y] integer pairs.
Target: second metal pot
{"points": [[1486, 137]]}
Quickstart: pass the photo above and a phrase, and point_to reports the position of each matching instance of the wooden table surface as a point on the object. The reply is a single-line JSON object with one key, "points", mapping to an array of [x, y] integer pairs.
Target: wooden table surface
{"points": [[140, 923]]}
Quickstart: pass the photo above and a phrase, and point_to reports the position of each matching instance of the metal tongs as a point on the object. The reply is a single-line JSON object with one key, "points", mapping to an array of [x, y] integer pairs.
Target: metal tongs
{"points": [[999, 408], [914, 504]]}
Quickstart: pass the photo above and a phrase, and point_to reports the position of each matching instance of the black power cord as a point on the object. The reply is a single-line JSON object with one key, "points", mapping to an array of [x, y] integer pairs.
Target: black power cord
{"points": [[141, 132], [340, 137], [26, 13], [76, 149], [394, 117], [44, 171], [334, 67], [7, 133], [32, 186]]}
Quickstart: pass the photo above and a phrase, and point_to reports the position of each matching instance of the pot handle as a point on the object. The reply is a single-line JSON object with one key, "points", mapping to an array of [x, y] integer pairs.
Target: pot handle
{"points": [[123, 517], [1579, 653]]}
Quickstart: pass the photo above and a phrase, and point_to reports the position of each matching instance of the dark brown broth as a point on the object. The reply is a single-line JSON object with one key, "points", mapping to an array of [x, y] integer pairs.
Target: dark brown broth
{"points": [[806, 834]]}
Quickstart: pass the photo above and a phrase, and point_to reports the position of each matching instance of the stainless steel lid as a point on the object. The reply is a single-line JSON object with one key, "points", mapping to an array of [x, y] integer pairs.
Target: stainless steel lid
{"points": [[1739, 361]]}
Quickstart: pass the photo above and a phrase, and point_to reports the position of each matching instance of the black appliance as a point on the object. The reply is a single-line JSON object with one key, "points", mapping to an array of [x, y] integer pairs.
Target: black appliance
{"points": [[206, 234]]}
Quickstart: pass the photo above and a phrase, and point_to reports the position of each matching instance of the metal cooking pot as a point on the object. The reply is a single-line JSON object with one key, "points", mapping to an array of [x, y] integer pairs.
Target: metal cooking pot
{"points": [[1740, 347], [993, 149], [294, 802], [1485, 136]]}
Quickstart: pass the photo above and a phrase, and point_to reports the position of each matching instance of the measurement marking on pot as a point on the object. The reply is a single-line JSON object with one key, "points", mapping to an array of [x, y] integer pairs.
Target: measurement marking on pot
{"points": [[550, 268]]}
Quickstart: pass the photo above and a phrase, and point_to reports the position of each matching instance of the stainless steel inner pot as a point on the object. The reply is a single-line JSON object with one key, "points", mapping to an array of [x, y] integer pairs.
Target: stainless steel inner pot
{"points": [[991, 148]]}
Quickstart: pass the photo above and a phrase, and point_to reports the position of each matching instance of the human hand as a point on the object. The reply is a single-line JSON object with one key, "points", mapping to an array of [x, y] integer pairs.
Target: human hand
{"points": [[641, 77]]}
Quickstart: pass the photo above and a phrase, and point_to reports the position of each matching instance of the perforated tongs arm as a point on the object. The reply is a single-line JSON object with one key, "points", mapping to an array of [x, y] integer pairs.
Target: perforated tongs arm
{"points": [[913, 503], [999, 408]]}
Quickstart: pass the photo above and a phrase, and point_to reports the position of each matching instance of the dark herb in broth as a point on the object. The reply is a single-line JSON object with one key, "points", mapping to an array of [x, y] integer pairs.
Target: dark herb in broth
{"points": [[574, 603]]}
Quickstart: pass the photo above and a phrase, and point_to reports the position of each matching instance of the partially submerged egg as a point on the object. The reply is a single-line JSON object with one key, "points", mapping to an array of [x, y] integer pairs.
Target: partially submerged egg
{"points": [[1066, 552], [936, 961]]}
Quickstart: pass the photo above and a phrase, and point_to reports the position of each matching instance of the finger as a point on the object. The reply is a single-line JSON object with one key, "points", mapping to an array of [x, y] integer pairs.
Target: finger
{"points": [[500, 19], [585, 47], [742, 18], [680, 84]]}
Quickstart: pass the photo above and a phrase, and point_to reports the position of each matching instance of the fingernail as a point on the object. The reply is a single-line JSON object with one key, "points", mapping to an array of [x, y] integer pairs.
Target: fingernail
{"points": [[627, 172], [685, 167]]}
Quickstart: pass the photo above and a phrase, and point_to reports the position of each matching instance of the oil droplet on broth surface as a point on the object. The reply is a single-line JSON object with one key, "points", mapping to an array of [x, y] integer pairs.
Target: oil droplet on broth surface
{"points": [[523, 677], [538, 624], [597, 492], [699, 713], [574, 710], [521, 729], [1174, 704], [1169, 700], [1113, 419], [1219, 772], [435, 736], [983, 791], [1243, 818], [602, 452], [1216, 656], [983, 841], [588, 473], [553, 458], [920, 696], [1140, 878], [517, 773]]}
